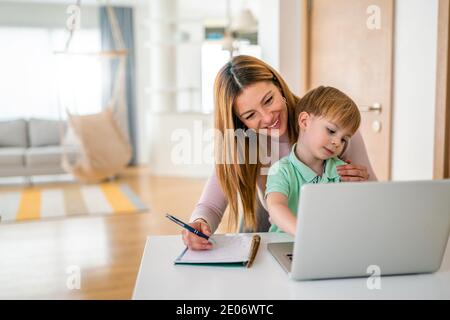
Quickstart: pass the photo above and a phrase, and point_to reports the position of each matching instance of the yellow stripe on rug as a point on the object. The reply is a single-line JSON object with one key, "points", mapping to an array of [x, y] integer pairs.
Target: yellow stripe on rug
{"points": [[30, 205], [71, 200], [118, 201]]}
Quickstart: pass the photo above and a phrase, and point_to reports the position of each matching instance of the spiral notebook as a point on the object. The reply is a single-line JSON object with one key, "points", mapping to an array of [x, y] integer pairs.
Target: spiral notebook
{"points": [[236, 249]]}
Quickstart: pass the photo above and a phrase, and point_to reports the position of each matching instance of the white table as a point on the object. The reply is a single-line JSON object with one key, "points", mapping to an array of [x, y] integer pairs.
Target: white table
{"points": [[159, 278]]}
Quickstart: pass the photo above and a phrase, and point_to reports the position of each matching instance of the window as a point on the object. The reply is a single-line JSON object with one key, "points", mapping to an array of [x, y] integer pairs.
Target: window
{"points": [[33, 77]]}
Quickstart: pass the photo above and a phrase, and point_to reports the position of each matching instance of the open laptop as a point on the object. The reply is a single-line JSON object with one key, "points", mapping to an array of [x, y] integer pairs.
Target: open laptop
{"points": [[348, 229]]}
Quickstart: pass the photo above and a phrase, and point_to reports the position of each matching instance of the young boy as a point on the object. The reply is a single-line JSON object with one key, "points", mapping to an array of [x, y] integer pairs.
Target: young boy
{"points": [[327, 118]]}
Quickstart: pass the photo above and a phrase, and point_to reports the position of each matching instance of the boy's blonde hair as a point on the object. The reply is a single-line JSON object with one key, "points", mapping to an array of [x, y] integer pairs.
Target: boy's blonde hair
{"points": [[333, 104]]}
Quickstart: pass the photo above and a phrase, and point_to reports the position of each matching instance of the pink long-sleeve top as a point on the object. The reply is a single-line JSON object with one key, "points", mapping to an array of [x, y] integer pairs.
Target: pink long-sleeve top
{"points": [[212, 203]]}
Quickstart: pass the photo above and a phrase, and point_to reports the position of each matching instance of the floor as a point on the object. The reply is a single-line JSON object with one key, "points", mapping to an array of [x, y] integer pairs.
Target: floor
{"points": [[42, 259]]}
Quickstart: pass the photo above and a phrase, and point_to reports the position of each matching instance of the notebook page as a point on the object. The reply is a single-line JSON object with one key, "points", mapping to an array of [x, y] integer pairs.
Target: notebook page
{"points": [[227, 248]]}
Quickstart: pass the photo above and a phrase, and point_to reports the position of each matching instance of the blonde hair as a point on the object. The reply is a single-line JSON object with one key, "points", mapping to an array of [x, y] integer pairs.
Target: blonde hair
{"points": [[237, 179], [333, 104]]}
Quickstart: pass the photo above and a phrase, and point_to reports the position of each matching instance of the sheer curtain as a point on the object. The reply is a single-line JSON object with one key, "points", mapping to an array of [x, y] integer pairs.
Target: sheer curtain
{"points": [[125, 20]]}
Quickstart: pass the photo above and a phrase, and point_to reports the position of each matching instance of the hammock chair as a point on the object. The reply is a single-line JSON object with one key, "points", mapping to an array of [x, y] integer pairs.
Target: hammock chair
{"points": [[104, 149]]}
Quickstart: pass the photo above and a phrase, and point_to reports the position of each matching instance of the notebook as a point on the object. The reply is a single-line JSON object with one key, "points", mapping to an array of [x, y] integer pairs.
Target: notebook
{"points": [[233, 249]]}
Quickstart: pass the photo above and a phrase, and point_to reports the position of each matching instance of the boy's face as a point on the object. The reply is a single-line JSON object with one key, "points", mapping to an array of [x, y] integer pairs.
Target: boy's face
{"points": [[321, 136]]}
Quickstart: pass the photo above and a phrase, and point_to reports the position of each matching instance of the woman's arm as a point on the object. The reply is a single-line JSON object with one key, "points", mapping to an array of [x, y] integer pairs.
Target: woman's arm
{"points": [[360, 168], [279, 212], [206, 216], [212, 204]]}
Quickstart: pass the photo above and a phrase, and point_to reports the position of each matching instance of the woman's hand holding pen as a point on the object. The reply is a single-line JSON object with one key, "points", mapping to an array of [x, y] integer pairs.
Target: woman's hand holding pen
{"points": [[195, 242]]}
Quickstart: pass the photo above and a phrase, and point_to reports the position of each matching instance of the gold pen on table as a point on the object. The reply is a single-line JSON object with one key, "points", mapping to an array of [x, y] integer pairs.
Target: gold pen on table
{"points": [[254, 249]]}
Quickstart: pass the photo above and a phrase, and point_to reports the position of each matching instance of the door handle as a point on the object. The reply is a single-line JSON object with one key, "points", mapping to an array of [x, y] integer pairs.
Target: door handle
{"points": [[376, 107]]}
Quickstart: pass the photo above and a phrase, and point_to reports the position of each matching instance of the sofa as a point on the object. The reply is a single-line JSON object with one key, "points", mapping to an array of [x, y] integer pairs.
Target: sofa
{"points": [[32, 147]]}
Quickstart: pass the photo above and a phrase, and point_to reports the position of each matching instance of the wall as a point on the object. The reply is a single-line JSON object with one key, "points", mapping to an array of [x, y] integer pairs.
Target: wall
{"points": [[269, 32], [142, 80], [414, 89], [279, 34], [155, 129]]}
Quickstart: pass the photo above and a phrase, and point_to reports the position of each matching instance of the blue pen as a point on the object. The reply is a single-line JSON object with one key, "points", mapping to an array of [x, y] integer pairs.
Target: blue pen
{"points": [[188, 227]]}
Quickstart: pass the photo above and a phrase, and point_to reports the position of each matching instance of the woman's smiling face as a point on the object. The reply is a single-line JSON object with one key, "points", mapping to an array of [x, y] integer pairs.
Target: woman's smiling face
{"points": [[261, 106]]}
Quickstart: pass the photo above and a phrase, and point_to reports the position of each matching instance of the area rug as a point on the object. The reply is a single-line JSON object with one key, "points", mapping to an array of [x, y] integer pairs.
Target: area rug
{"points": [[100, 199]]}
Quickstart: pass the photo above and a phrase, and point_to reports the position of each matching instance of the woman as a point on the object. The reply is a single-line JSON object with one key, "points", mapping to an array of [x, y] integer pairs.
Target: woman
{"points": [[249, 94]]}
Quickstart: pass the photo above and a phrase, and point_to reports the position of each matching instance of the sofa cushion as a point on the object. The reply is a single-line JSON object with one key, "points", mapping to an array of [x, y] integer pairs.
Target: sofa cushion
{"points": [[12, 157], [47, 156], [42, 132], [13, 133]]}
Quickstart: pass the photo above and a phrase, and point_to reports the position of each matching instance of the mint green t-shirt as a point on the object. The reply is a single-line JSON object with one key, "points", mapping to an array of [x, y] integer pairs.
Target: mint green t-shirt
{"points": [[289, 174]]}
